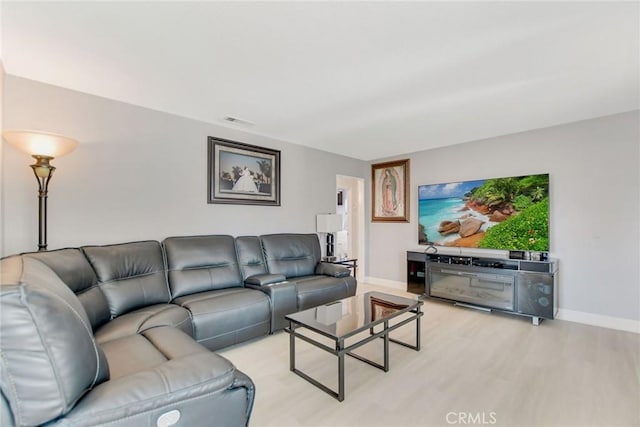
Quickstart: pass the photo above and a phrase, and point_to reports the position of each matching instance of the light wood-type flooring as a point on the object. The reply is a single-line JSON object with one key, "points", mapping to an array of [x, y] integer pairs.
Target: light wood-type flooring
{"points": [[474, 368]]}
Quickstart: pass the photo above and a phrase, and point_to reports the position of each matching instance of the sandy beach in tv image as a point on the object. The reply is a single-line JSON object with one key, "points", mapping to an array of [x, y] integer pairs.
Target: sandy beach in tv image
{"points": [[500, 213]]}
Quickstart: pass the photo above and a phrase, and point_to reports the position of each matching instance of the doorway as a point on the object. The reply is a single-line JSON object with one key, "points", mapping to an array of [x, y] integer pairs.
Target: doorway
{"points": [[350, 204]]}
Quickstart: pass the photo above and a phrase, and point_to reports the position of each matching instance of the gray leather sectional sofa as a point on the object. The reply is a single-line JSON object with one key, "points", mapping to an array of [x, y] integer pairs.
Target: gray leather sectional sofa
{"points": [[122, 334]]}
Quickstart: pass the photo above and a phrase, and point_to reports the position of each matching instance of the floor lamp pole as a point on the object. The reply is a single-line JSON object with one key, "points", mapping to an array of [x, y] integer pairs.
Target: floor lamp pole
{"points": [[43, 171]]}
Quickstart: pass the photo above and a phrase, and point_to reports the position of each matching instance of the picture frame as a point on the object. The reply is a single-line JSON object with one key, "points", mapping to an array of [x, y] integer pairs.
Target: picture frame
{"points": [[390, 191], [381, 308], [242, 174]]}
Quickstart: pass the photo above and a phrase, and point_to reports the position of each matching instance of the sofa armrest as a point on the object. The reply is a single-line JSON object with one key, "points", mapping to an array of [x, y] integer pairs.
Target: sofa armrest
{"points": [[188, 390], [265, 279], [283, 297], [333, 270]]}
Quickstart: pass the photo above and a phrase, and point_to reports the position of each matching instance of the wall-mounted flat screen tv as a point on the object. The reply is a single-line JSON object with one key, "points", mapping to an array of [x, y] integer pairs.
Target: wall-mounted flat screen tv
{"points": [[500, 213]]}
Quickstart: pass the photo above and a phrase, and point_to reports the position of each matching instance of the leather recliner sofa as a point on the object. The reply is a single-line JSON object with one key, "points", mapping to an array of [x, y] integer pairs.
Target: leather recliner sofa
{"points": [[122, 334]]}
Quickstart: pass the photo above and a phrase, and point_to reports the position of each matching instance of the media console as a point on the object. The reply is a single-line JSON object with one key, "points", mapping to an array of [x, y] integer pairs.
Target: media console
{"points": [[522, 287]]}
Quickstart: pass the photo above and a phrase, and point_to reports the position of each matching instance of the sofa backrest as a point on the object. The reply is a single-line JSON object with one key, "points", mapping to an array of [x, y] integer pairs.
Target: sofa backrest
{"points": [[250, 256], [48, 357], [292, 255], [74, 270], [131, 275], [201, 263]]}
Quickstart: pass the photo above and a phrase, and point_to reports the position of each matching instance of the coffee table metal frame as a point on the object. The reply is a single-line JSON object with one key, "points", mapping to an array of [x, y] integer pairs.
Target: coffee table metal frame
{"points": [[340, 349]]}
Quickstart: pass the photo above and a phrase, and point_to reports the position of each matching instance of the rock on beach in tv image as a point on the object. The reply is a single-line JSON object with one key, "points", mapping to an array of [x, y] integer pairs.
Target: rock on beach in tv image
{"points": [[499, 213]]}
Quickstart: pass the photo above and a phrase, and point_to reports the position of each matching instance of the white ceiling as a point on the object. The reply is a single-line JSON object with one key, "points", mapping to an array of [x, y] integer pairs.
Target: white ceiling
{"points": [[362, 79]]}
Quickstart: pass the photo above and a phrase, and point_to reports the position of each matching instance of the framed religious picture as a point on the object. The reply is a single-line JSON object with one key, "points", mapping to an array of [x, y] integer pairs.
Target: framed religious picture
{"points": [[243, 174], [390, 191]]}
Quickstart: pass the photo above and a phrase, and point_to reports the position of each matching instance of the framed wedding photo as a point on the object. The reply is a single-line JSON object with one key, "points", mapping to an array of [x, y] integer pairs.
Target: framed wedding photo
{"points": [[390, 191], [242, 174]]}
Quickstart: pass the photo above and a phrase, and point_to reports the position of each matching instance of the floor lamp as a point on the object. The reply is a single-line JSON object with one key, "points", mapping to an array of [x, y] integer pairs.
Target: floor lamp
{"points": [[43, 147], [329, 223]]}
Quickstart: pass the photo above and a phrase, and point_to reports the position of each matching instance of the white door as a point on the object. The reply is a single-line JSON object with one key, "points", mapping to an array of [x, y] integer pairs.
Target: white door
{"points": [[350, 241]]}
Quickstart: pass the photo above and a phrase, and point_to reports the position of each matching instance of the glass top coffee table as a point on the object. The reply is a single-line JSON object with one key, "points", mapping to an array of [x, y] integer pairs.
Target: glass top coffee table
{"points": [[351, 318]]}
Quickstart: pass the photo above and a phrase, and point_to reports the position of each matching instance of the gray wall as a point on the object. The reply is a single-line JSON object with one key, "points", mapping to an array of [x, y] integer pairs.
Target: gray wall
{"points": [[142, 174], [594, 203]]}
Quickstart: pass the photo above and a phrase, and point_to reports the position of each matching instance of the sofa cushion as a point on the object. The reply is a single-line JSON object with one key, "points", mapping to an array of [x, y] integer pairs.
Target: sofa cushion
{"points": [[317, 290], [201, 263], [250, 256], [131, 275], [48, 356], [76, 272], [202, 388], [142, 319], [227, 316], [293, 255], [6, 417], [137, 352]]}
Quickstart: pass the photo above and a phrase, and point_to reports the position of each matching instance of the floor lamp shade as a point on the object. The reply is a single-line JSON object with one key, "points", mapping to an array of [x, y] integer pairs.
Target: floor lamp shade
{"points": [[40, 143], [329, 223], [43, 147]]}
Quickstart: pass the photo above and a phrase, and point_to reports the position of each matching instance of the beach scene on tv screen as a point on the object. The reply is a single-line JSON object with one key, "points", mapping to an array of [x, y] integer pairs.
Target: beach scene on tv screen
{"points": [[500, 213]]}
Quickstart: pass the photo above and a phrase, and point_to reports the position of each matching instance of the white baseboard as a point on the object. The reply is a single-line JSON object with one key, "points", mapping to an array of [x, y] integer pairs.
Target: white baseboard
{"points": [[387, 283], [618, 323]]}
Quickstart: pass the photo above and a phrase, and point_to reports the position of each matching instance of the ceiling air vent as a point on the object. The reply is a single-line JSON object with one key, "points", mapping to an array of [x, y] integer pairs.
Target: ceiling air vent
{"points": [[237, 121]]}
